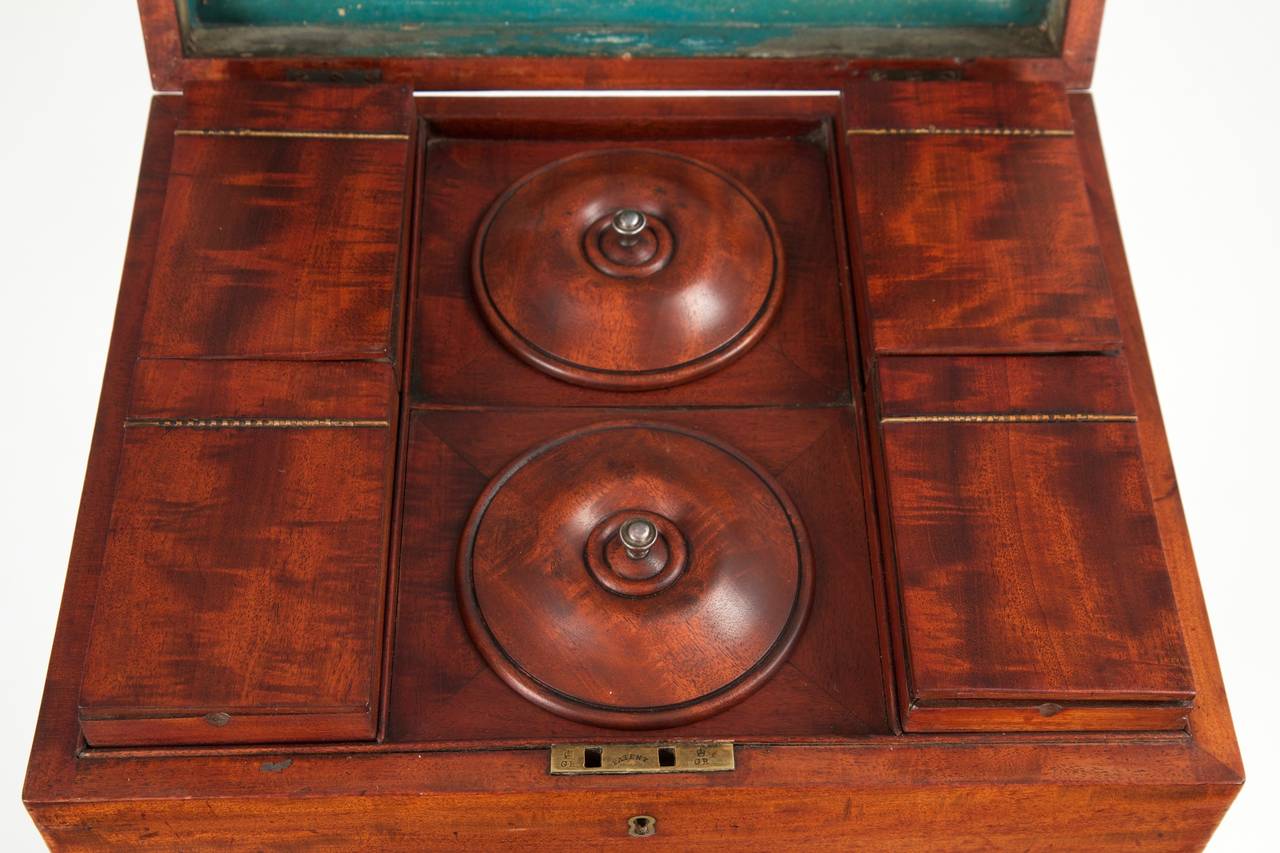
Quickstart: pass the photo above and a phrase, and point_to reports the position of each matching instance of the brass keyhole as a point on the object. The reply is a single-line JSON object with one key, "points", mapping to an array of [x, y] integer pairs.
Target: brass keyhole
{"points": [[641, 825]]}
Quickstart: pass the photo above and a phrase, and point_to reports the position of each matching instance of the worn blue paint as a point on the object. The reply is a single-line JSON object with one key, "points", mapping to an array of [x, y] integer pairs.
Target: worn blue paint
{"points": [[661, 28], [554, 13]]}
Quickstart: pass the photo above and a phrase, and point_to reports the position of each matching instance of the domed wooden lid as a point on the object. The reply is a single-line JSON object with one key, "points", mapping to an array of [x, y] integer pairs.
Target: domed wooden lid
{"points": [[628, 269], [634, 575]]}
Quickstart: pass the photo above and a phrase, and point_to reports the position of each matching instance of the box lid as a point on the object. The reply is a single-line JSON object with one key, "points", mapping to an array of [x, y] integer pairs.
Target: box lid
{"points": [[665, 43]]}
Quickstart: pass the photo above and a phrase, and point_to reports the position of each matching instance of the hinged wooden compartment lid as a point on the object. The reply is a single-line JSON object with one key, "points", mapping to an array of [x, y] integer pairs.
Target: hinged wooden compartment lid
{"points": [[665, 44]]}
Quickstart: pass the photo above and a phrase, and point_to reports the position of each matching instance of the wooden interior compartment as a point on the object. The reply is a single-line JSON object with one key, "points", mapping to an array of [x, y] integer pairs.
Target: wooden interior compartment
{"points": [[243, 585], [280, 236], [242, 588], [974, 228], [1031, 581], [781, 151], [831, 685]]}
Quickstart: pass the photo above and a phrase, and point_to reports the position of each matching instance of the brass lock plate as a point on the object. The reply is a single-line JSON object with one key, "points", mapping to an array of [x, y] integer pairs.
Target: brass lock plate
{"points": [[584, 759]]}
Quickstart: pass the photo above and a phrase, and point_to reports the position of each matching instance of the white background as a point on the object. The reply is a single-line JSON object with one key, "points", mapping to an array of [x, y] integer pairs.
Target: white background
{"points": [[1188, 102]]}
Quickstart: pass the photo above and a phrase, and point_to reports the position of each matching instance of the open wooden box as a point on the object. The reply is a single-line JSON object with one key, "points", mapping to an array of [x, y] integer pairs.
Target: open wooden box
{"points": [[718, 471]]}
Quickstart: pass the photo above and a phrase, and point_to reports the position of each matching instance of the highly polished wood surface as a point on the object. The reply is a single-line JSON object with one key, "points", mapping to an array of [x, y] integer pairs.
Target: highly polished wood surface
{"points": [[243, 582], [1031, 572], [692, 291], [975, 239], [911, 386], [830, 683], [721, 608], [458, 760], [241, 588], [266, 251], [800, 355]]}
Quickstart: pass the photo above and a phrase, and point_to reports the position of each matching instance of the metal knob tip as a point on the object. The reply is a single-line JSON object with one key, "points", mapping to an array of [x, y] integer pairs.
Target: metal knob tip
{"points": [[628, 222], [638, 536]]}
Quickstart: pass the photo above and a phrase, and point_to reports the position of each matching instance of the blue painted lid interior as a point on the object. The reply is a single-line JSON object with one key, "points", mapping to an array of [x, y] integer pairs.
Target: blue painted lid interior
{"points": [[667, 28]]}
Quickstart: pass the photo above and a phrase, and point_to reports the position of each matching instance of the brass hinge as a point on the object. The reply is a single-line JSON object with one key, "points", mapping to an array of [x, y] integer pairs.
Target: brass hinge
{"points": [[585, 759]]}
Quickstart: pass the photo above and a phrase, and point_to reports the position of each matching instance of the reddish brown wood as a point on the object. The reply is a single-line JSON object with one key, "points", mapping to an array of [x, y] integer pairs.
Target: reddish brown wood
{"points": [[1030, 572], [830, 683], [1210, 722], [301, 107], [462, 763], [1014, 817], [242, 586], [973, 241], [800, 356], [243, 582], [683, 649], [172, 66], [265, 250], [201, 388], [961, 437], [911, 386], [691, 292], [974, 106]]}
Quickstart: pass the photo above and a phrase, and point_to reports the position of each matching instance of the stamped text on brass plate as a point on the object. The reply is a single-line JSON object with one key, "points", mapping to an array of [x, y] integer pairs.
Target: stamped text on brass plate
{"points": [[583, 759]]}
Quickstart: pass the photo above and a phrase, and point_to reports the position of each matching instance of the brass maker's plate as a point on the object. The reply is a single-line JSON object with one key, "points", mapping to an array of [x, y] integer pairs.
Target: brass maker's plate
{"points": [[628, 269], [618, 758]]}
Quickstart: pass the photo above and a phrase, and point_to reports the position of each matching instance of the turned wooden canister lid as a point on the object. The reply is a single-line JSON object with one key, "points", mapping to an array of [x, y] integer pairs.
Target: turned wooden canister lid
{"points": [[634, 575], [628, 269]]}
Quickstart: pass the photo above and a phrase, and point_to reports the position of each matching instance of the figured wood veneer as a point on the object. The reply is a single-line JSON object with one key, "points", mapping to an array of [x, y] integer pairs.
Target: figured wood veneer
{"points": [[975, 239], [830, 683], [798, 356], [911, 386], [666, 655], [558, 288], [241, 589], [1032, 581], [1031, 571], [456, 759], [266, 250], [243, 580]]}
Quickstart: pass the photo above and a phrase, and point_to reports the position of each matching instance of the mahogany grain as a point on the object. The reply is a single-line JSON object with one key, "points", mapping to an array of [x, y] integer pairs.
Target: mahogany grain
{"points": [[679, 649], [830, 682], [242, 585], [974, 243], [1031, 571], [268, 251], [560, 289], [800, 355], [1059, 737], [911, 386], [166, 388]]}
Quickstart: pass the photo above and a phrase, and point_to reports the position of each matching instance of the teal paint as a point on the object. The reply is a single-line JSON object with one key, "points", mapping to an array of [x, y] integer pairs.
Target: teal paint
{"points": [[633, 13], [591, 27]]}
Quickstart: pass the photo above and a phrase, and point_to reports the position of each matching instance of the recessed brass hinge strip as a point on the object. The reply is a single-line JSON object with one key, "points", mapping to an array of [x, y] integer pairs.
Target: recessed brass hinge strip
{"points": [[587, 759], [253, 423], [958, 131], [1038, 418], [293, 134]]}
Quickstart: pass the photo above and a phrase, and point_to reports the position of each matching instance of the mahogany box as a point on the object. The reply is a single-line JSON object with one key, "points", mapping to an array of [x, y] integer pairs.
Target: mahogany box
{"points": [[698, 471]]}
